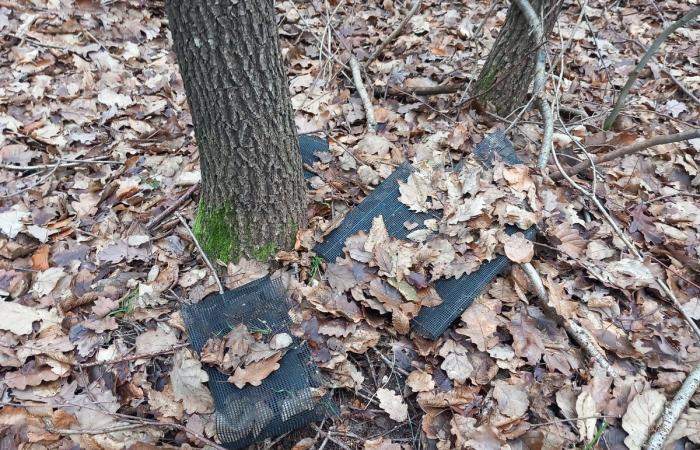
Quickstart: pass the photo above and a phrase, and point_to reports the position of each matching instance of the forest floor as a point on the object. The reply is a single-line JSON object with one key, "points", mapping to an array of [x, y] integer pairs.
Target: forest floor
{"points": [[97, 141]]}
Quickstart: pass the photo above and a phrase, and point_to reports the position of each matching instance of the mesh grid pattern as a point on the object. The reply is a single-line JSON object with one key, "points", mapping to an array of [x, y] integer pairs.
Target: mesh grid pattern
{"points": [[456, 294], [309, 145], [285, 400]]}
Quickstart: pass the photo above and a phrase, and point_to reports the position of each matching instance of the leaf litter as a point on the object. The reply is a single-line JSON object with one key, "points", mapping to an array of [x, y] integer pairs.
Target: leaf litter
{"points": [[90, 329]]}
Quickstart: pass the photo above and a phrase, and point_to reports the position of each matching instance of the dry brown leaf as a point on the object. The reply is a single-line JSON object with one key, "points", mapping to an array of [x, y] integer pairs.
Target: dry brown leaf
{"points": [[456, 364], [187, 378], [256, 372], [420, 381], [479, 323], [393, 404], [585, 407], [415, 192], [571, 241], [641, 416], [518, 248], [18, 319], [512, 399]]}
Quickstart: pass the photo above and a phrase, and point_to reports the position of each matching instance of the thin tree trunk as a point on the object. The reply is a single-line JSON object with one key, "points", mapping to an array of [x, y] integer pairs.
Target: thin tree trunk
{"points": [[510, 66], [252, 182]]}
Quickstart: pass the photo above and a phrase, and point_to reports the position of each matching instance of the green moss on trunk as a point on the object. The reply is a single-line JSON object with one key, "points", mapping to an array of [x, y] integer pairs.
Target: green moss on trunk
{"points": [[214, 230], [222, 238]]}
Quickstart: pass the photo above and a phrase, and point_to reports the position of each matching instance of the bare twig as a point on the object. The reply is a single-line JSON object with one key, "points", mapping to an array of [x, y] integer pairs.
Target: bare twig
{"points": [[618, 231], [134, 357], [681, 86], [494, 3], [539, 81], [633, 148], [329, 435], [576, 331], [674, 409], [201, 252], [366, 102], [449, 88], [39, 182], [132, 420], [65, 163], [607, 124], [394, 34], [153, 223], [126, 427]]}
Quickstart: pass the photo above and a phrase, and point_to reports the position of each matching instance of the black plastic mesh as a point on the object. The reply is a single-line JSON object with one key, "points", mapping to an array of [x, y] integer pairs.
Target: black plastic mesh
{"points": [[287, 398], [309, 145], [456, 294]]}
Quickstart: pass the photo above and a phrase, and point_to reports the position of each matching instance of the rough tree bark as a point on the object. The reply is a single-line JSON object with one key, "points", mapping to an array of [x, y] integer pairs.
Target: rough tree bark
{"points": [[252, 182], [510, 66]]}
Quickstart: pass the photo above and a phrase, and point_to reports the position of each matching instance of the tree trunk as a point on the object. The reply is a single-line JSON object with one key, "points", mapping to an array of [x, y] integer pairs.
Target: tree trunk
{"points": [[253, 196], [510, 66]]}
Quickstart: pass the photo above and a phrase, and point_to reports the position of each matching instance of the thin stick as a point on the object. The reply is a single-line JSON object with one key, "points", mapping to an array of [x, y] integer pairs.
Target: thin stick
{"points": [[328, 434], [633, 148], [616, 228], [65, 163], [681, 86], [674, 409], [366, 102], [539, 82], [201, 252], [394, 34], [607, 124], [39, 182], [576, 331], [134, 357], [130, 426], [153, 223]]}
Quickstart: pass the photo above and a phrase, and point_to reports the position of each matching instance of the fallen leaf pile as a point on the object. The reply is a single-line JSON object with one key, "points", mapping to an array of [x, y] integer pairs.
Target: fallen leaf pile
{"points": [[244, 355], [96, 141]]}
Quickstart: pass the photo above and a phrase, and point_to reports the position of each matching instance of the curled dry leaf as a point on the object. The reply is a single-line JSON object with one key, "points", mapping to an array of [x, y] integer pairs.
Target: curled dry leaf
{"points": [[641, 415], [256, 372], [420, 381], [187, 378], [518, 248], [393, 404]]}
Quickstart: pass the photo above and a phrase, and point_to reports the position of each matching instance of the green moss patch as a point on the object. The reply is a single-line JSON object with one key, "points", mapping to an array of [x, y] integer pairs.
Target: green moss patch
{"points": [[213, 229]]}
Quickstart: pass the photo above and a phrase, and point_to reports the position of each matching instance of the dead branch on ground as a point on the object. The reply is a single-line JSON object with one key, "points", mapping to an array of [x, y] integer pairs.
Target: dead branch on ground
{"points": [[414, 8], [576, 331], [607, 124], [633, 148], [201, 252], [590, 194], [366, 102], [539, 82], [674, 409], [153, 223]]}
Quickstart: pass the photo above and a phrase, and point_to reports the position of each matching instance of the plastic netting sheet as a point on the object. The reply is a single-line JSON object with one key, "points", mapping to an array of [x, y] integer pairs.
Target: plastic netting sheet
{"points": [[289, 397], [456, 294]]}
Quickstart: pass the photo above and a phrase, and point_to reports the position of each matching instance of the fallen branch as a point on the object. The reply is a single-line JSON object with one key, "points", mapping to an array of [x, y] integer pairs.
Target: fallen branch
{"points": [[366, 102], [201, 252], [607, 124], [576, 331], [166, 351], [449, 88], [153, 223], [394, 34], [674, 409], [633, 148], [539, 82], [590, 194], [682, 87], [64, 163], [328, 434]]}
